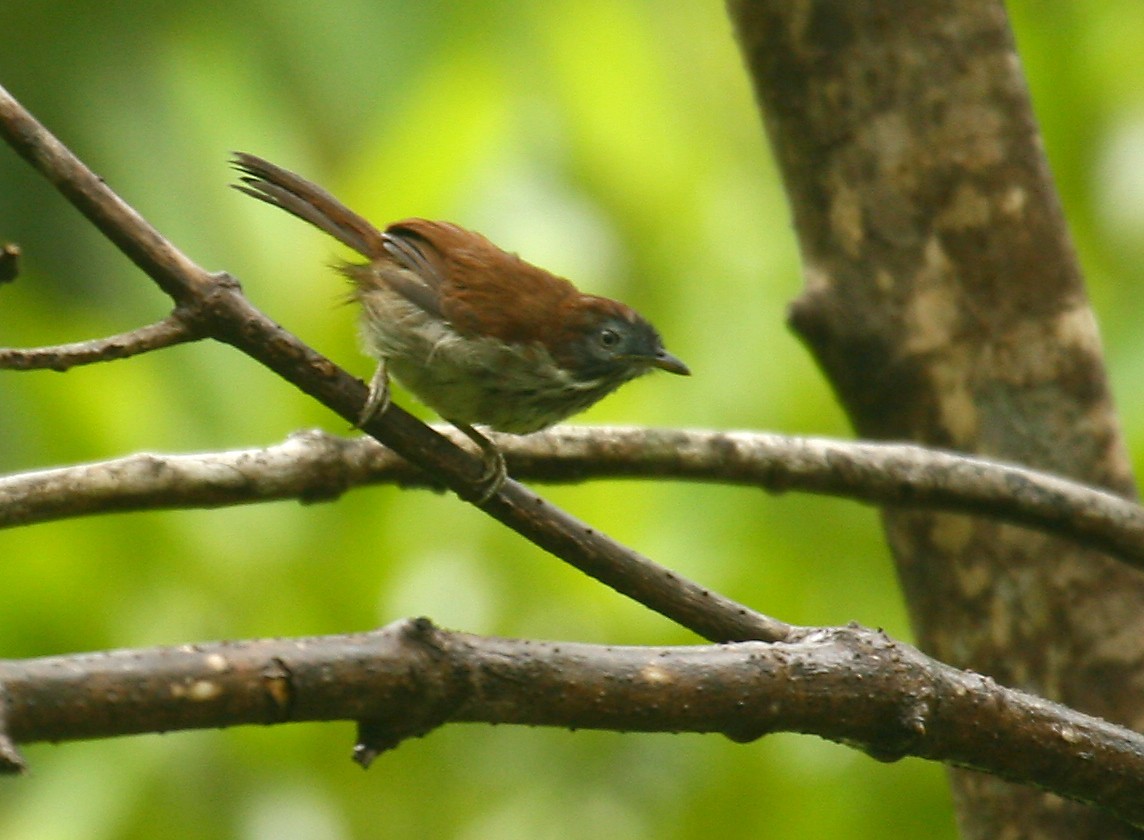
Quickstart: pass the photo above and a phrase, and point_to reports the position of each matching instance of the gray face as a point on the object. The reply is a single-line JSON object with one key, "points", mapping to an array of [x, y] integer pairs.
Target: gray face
{"points": [[618, 349]]}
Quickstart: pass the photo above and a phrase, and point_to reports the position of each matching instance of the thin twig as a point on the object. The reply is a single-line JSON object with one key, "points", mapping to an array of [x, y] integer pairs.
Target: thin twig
{"points": [[172, 330]]}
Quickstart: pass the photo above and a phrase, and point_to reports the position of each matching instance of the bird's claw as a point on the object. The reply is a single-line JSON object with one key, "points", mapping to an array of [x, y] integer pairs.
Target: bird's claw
{"points": [[495, 471], [378, 400]]}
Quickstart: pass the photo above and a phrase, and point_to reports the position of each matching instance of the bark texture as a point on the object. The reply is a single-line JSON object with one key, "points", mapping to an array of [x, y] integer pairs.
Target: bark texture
{"points": [[944, 301]]}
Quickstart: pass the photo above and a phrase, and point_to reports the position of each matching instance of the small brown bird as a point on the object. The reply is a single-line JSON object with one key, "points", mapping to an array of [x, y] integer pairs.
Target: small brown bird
{"points": [[476, 333]]}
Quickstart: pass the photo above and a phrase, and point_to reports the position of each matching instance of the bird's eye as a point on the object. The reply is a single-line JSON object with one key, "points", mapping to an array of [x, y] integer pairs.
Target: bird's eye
{"points": [[609, 338]]}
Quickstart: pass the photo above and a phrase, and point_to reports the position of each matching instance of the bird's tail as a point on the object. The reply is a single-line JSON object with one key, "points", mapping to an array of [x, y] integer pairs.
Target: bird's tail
{"points": [[309, 202]]}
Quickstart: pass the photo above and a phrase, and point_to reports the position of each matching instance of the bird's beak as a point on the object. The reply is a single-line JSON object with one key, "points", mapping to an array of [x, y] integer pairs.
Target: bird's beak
{"points": [[665, 361]]}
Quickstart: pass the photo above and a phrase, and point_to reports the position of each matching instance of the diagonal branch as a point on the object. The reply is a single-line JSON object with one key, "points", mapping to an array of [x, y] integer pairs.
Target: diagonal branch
{"points": [[217, 307]]}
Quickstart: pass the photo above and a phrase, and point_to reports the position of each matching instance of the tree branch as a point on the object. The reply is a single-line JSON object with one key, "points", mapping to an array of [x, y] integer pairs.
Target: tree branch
{"points": [[849, 685], [172, 330], [314, 466]]}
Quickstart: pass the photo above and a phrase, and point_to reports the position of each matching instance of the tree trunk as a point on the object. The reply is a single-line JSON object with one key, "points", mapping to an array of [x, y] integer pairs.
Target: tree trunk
{"points": [[944, 302]]}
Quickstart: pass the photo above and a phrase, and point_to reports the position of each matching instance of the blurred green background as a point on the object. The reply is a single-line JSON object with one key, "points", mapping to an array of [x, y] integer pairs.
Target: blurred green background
{"points": [[613, 141]]}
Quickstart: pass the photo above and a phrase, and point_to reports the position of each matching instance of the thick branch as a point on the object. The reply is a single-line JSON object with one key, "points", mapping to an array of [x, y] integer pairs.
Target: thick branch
{"points": [[845, 684], [944, 301]]}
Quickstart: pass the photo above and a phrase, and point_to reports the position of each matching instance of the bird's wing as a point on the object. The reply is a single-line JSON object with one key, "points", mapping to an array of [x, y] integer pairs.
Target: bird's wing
{"points": [[410, 247]]}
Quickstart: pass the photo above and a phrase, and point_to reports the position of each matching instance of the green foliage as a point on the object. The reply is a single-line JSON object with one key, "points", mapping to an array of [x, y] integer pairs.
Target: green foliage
{"points": [[614, 142]]}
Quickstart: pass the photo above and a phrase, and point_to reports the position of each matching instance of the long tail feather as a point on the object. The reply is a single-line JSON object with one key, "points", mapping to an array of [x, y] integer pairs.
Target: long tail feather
{"points": [[309, 202]]}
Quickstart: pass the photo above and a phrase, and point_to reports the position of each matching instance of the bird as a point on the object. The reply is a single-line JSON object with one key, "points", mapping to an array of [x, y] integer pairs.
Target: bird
{"points": [[476, 333]]}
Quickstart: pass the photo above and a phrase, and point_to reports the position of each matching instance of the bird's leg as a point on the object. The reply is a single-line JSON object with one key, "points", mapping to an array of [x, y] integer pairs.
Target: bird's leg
{"points": [[378, 400], [495, 472]]}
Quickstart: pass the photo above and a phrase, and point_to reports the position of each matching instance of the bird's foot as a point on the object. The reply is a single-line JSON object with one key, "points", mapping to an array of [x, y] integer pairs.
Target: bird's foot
{"points": [[378, 400], [494, 473]]}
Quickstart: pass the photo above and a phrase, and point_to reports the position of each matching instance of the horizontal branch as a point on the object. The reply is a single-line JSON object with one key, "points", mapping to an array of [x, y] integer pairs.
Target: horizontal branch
{"points": [[314, 466], [172, 330], [849, 685]]}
